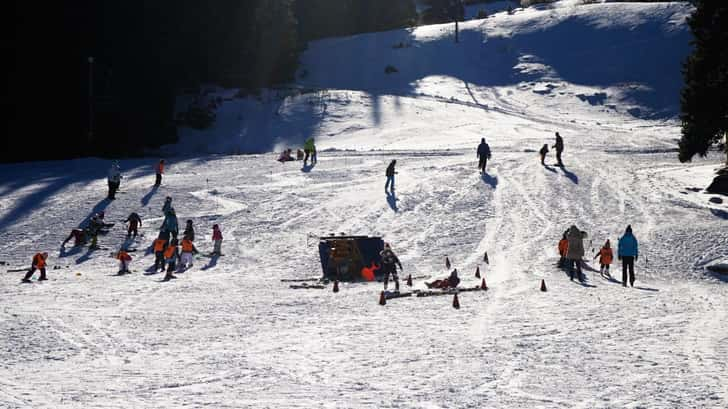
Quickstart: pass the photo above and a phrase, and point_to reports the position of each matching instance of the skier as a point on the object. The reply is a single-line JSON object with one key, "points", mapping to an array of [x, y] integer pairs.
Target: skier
{"points": [[171, 254], [134, 223], [575, 251], [483, 154], [605, 255], [189, 233], [38, 263], [167, 206], [170, 224], [78, 236], [544, 150], [159, 170], [216, 240], [124, 261], [563, 248], [450, 282], [94, 227], [390, 175], [309, 149], [389, 266], [627, 254], [158, 246], [559, 146], [114, 180], [188, 250]]}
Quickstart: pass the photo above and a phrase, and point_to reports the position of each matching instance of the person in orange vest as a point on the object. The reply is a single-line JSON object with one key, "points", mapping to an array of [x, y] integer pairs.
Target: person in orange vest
{"points": [[171, 254], [605, 255], [563, 248], [124, 261], [159, 169], [188, 249], [158, 246], [39, 263]]}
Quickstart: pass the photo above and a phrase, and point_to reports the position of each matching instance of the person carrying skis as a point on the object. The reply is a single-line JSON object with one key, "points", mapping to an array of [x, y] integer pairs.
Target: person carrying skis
{"points": [[309, 149], [38, 263], [134, 223], [188, 250], [575, 251], [78, 236], [390, 175], [124, 261], [605, 255], [483, 154], [114, 180], [158, 247], [389, 266], [171, 255], [544, 150], [159, 171], [189, 233], [216, 240], [563, 248], [559, 146], [627, 253]]}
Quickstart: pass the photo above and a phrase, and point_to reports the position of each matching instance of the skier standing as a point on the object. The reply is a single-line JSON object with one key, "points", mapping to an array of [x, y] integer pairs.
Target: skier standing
{"points": [[389, 266], [483, 154], [627, 252], [390, 175], [216, 240], [171, 254], [605, 255], [159, 170], [563, 248], [575, 251], [124, 261], [309, 149], [134, 223], [114, 180], [38, 263], [158, 246], [544, 150], [188, 250], [559, 146], [189, 233]]}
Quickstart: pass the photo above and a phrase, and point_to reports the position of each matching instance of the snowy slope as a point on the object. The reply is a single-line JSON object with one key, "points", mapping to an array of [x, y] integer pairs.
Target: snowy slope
{"points": [[228, 333]]}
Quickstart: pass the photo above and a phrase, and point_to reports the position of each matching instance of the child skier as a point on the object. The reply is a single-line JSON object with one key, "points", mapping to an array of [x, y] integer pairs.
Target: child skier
{"points": [[159, 245], [216, 240], [188, 250], [124, 261], [544, 150], [38, 263], [605, 258], [563, 248], [389, 266], [134, 223], [189, 232], [159, 170], [171, 254]]}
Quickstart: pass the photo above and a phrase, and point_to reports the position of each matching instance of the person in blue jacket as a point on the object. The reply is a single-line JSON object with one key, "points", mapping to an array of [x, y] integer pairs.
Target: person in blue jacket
{"points": [[483, 155], [627, 252]]}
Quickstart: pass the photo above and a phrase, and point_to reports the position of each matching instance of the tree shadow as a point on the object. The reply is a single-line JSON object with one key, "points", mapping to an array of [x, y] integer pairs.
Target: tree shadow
{"points": [[145, 200], [572, 177], [490, 180], [392, 201]]}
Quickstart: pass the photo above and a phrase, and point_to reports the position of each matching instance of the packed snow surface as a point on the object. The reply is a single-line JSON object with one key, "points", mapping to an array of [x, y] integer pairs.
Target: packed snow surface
{"points": [[228, 333]]}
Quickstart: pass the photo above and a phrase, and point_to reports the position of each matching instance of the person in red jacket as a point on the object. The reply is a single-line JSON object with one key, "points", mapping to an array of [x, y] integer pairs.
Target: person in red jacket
{"points": [[124, 261], [217, 241], [563, 248], [39, 263], [605, 255]]}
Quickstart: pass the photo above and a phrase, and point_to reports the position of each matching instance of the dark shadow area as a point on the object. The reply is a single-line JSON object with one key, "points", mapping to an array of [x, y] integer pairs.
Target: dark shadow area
{"points": [[308, 167], [85, 257], [392, 201], [492, 181], [719, 213], [212, 263], [145, 200], [572, 177], [549, 168], [646, 289], [586, 267], [68, 253], [100, 207]]}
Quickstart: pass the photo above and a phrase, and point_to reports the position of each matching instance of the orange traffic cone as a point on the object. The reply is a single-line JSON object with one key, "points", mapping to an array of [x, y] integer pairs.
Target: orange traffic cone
{"points": [[456, 302], [447, 263], [485, 258], [409, 280], [543, 285], [336, 286], [483, 286], [382, 299], [477, 272]]}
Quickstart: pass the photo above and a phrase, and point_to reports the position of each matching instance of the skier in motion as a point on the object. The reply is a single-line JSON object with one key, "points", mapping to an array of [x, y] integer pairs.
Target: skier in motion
{"points": [[483, 155], [389, 266]]}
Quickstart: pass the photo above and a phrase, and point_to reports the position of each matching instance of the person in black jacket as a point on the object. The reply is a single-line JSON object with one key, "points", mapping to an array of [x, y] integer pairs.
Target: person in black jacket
{"points": [[189, 232], [483, 154], [559, 146], [389, 266], [134, 223], [390, 175]]}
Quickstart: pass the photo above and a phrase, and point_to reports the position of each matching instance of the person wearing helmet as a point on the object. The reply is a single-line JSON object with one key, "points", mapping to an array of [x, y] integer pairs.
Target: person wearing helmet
{"points": [[389, 266], [38, 263], [114, 180]]}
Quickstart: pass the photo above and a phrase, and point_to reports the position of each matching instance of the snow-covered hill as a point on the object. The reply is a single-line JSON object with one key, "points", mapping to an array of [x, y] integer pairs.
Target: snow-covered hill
{"points": [[229, 333]]}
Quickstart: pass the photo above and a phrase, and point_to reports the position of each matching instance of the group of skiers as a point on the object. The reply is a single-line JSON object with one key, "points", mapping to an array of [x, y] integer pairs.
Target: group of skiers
{"points": [[114, 177], [571, 252], [309, 151]]}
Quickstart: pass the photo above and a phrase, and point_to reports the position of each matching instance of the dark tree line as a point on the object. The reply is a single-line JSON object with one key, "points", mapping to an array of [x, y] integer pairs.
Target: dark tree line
{"points": [[144, 53]]}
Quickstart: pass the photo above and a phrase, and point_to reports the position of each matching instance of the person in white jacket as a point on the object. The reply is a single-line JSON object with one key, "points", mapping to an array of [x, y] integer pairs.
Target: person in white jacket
{"points": [[114, 180]]}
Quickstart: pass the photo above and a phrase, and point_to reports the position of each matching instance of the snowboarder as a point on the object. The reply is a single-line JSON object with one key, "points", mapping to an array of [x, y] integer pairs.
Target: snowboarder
{"points": [[134, 223], [559, 146], [158, 247], [389, 266], [483, 154], [38, 263], [189, 233], [171, 254], [216, 240], [159, 171], [390, 175], [544, 150], [605, 255], [78, 236], [114, 180], [575, 251], [188, 250], [309, 149], [563, 247], [450, 282], [124, 261], [627, 254]]}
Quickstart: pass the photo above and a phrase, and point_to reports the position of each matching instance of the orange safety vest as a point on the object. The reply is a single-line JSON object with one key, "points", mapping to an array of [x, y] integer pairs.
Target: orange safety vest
{"points": [[606, 255], [160, 168], [39, 261], [563, 247], [169, 253], [187, 246], [159, 245], [123, 256]]}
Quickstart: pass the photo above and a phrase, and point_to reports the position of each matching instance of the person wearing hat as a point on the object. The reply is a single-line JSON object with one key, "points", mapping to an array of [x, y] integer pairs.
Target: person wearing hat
{"points": [[559, 146], [575, 251], [38, 263], [627, 253], [189, 233], [389, 266], [605, 255], [159, 170], [114, 180], [483, 154], [135, 221], [124, 261]]}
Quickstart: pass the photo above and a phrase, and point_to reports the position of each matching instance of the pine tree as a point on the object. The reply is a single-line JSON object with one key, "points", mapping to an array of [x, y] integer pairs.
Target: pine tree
{"points": [[704, 101]]}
